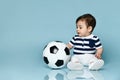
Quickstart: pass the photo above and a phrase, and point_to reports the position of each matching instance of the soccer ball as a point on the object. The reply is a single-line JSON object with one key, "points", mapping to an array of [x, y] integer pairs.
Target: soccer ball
{"points": [[56, 54]]}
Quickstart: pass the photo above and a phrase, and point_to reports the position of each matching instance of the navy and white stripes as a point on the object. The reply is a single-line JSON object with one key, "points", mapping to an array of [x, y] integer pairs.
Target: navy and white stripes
{"points": [[84, 45]]}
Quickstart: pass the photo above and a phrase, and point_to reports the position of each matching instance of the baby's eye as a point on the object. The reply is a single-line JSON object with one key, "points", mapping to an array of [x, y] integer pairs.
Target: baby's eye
{"points": [[80, 27]]}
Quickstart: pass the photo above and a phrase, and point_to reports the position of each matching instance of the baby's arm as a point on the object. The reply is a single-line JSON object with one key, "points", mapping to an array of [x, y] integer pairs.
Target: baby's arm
{"points": [[99, 53], [69, 46]]}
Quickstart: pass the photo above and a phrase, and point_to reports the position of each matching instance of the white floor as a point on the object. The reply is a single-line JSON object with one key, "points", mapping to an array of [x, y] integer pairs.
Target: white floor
{"points": [[42, 72]]}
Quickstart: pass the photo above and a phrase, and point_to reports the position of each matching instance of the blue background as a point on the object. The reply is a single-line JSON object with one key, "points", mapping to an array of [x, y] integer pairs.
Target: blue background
{"points": [[26, 26]]}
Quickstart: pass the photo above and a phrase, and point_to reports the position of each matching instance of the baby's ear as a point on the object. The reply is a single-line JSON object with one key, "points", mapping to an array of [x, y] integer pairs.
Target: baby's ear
{"points": [[90, 28]]}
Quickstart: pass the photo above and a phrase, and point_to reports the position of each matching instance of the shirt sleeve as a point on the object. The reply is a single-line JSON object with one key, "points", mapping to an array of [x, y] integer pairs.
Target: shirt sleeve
{"points": [[72, 41], [98, 44]]}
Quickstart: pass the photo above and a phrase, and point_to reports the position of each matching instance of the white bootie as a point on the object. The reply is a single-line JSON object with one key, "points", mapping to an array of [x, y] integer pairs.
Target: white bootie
{"points": [[96, 64]]}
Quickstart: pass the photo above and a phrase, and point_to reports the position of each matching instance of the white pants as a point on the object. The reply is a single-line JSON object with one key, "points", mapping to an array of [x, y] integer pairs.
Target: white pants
{"points": [[84, 59]]}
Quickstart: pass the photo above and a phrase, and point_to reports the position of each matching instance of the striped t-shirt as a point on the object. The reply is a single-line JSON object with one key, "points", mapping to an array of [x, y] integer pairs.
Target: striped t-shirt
{"points": [[83, 45]]}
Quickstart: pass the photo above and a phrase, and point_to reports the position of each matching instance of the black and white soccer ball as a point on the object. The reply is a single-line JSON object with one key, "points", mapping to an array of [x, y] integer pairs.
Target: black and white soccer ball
{"points": [[56, 54]]}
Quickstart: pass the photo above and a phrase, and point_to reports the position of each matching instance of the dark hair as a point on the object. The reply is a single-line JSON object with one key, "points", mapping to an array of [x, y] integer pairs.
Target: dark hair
{"points": [[89, 19]]}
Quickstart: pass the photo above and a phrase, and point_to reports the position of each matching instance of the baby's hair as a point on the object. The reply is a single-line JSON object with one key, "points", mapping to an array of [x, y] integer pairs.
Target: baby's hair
{"points": [[89, 19]]}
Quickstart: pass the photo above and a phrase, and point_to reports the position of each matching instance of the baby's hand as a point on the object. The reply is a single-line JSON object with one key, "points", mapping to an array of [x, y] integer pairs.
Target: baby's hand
{"points": [[98, 56]]}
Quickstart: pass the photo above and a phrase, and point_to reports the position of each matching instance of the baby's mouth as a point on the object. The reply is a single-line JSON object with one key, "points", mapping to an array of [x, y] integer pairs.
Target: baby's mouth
{"points": [[78, 33]]}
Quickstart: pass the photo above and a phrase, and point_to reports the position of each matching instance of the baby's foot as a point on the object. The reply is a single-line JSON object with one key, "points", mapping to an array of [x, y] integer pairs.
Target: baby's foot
{"points": [[95, 65], [75, 66]]}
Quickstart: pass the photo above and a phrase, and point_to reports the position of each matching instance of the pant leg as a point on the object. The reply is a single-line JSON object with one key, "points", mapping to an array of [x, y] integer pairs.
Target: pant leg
{"points": [[85, 58], [74, 63], [75, 58], [93, 59]]}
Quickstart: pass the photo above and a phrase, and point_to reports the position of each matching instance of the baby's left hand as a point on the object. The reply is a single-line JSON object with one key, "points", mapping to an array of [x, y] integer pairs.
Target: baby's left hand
{"points": [[98, 56]]}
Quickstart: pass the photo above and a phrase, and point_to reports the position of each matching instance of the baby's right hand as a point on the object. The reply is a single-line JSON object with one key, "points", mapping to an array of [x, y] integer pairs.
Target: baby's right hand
{"points": [[98, 56]]}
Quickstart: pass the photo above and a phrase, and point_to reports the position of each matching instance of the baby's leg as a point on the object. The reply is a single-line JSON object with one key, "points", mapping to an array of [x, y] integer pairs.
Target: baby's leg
{"points": [[75, 64], [95, 64], [85, 58]]}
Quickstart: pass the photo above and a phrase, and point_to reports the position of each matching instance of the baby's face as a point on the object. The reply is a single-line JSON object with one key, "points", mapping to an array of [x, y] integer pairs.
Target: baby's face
{"points": [[82, 29]]}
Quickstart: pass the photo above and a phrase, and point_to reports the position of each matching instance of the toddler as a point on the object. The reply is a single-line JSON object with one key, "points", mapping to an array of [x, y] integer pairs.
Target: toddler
{"points": [[87, 47]]}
